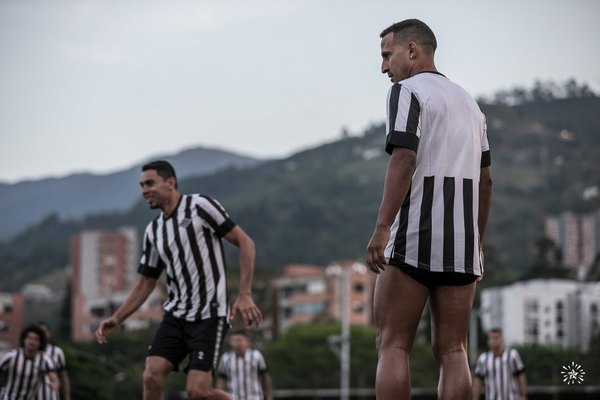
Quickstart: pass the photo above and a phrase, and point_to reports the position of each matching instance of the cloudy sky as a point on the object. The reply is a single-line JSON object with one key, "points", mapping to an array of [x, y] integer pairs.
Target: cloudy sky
{"points": [[100, 85]]}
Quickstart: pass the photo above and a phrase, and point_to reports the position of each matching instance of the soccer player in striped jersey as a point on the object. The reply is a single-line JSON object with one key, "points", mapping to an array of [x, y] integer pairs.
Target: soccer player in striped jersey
{"points": [[426, 244], [58, 357], [502, 371], [244, 371], [27, 366], [185, 242]]}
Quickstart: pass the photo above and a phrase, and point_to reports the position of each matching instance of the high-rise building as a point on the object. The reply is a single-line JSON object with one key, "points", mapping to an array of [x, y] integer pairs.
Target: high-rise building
{"points": [[577, 236], [544, 311], [104, 270], [11, 319]]}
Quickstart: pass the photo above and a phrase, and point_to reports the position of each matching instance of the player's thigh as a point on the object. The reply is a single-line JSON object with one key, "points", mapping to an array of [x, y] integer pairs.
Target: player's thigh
{"points": [[198, 381], [398, 304], [451, 311], [157, 367]]}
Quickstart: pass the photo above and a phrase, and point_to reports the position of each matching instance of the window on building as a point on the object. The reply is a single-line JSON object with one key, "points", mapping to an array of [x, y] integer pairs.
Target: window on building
{"points": [[358, 307], [308, 308], [316, 287], [359, 287]]}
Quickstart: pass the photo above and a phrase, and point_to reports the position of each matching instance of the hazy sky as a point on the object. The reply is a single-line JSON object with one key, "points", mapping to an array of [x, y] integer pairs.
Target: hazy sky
{"points": [[99, 85]]}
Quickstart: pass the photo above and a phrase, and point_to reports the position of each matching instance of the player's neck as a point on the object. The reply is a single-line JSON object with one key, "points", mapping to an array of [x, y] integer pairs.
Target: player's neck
{"points": [[171, 204]]}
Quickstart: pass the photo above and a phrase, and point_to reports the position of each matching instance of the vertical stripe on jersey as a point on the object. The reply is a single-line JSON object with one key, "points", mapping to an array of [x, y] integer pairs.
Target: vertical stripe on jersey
{"points": [[469, 231], [400, 242], [412, 123], [193, 241], [167, 251], [448, 256], [182, 261], [393, 111], [425, 223], [215, 271]]}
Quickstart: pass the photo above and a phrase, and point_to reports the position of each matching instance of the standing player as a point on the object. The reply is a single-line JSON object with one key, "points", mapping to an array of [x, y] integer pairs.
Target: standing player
{"points": [[426, 244], [244, 371], [27, 366], [185, 241], [58, 357], [502, 371]]}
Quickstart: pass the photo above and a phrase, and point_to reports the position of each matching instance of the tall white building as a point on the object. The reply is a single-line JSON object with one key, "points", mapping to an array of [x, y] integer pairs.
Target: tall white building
{"points": [[551, 312]]}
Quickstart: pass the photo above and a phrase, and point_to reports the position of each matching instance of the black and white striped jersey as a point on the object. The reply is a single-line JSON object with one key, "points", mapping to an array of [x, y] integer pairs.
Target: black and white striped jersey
{"points": [[58, 357], [243, 374], [24, 375], [436, 226], [500, 374], [187, 245]]}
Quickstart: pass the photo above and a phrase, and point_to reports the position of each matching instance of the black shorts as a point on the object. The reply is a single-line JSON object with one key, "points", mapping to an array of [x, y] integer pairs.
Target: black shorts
{"points": [[177, 338], [430, 279]]}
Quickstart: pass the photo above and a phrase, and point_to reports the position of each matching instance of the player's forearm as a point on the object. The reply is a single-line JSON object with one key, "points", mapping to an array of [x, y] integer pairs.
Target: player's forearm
{"points": [[65, 385], [476, 388], [522, 386], [398, 179], [247, 256], [485, 199], [135, 299], [267, 385]]}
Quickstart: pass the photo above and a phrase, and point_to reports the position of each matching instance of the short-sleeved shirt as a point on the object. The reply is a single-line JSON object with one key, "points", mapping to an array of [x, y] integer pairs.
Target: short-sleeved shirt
{"points": [[243, 374], [436, 226], [500, 373], [187, 245], [24, 375], [58, 357]]}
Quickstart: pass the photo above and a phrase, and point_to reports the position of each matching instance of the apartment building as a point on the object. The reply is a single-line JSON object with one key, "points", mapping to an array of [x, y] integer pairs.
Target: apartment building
{"points": [[11, 319], [310, 293], [577, 236], [544, 311], [104, 267]]}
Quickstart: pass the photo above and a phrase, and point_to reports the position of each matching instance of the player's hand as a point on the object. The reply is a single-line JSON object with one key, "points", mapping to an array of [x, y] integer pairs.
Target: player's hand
{"points": [[244, 305], [375, 257], [106, 327]]}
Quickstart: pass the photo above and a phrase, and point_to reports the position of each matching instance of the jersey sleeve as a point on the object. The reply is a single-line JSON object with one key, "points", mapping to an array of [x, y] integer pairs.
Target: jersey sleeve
{"points": [[151, 265], [217, 219], [516, 363], [486, 156], [59, 359], [5, 360], [480, 367], [403, 119], [49, 364], [223, 372], [261, 364]]}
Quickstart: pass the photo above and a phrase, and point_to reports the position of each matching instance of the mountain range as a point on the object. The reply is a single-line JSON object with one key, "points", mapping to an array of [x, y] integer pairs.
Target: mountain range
{"points": [[25, 203], [320, 204]]}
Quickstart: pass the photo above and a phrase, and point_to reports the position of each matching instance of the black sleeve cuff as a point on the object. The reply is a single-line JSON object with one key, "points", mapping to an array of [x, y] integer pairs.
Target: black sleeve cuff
{"points": [[401, 139], [225, 228], [519, 372], [486, 159], [149, 272]]}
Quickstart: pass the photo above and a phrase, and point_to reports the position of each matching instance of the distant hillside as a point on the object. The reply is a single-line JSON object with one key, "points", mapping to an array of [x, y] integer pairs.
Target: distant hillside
{"points": [[320, 205], [25, 203]]}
